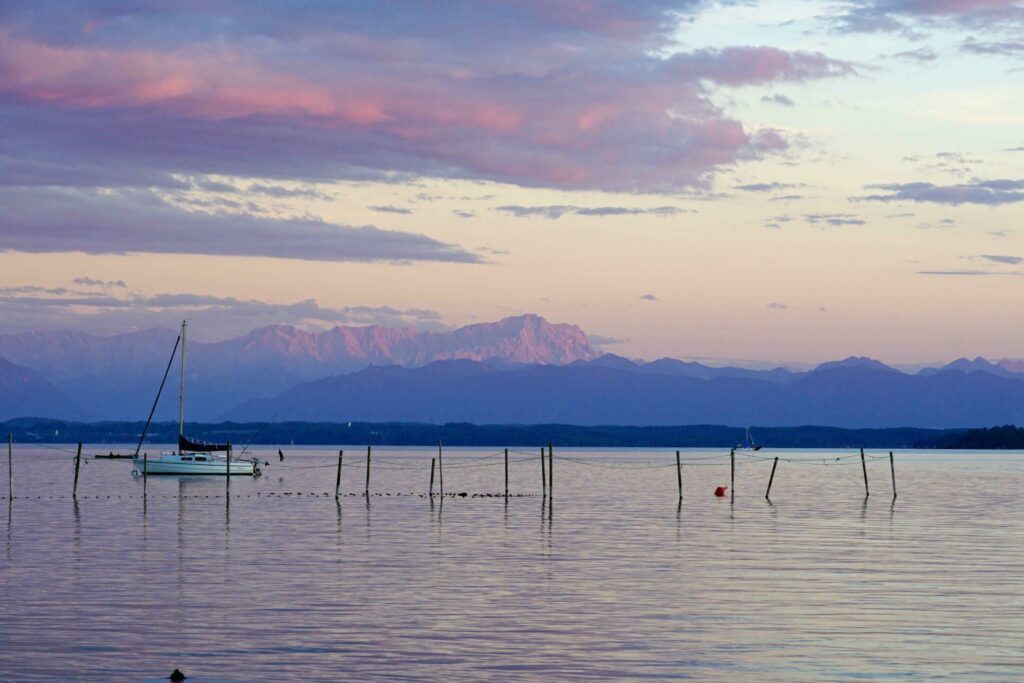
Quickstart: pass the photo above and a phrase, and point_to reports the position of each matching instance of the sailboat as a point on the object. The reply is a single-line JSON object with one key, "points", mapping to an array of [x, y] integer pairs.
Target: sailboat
{"points": [[192, 456], [748, 443]]}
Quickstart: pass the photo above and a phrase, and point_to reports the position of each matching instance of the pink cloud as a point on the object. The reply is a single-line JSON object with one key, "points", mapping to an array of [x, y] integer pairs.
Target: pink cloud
{"points": [[583, 111]]}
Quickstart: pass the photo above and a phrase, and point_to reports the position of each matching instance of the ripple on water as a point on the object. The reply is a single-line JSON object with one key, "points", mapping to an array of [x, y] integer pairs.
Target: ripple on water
{"points": [[616, 580]]}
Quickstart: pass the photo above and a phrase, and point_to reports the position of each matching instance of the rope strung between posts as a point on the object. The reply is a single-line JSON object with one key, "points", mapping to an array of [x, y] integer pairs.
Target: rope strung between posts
{"points": [[828, 462], [376, 466]]}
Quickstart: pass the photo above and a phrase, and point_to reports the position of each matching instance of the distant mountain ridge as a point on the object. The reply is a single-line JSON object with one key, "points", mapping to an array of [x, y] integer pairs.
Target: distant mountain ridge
{"points": [[859, 395], [380, 373], [112, 377]]}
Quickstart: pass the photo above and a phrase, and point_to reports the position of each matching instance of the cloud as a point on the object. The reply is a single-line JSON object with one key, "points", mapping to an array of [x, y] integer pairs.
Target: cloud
{"points": [[978, 47], [968, 273], [775, 221], [49, 220], [600, 340], [997, 258], [909, 17], [210, 185], [774, 306], [833, 219], [921, 55], [558, 94], [556, 211], [778, 99], [648, 297], [31, 307], [768, 187], [939, 224], [93, 282], [988, 192], [390, 209], [463, 214], [281, 192]]}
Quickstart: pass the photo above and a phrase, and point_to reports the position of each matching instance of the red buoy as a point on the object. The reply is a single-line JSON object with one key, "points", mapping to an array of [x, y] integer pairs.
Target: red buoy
{"points": [[720, 491]]}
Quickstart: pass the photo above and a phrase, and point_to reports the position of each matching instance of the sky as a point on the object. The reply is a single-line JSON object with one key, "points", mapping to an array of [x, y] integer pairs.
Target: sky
{"points": [[786, 181]]}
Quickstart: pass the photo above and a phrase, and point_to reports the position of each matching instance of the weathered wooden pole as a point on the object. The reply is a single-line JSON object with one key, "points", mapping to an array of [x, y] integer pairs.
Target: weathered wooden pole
{"points": [[551, 471], [433, 461], [892, 466], [543, 474], [10, 465], [771, 478], [337, 479], [732, 471], [78, 463], [864, 466], [506, 473], [367, 491], [440, 469], [145, 472], [679, 474]]}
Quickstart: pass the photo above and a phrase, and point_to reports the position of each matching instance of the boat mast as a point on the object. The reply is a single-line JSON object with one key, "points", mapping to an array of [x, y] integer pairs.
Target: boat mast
{"points": [[181, 391]]}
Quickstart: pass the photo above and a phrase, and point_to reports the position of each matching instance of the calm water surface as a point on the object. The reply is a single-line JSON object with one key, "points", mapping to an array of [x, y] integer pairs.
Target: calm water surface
{"points": [[617, 580]]}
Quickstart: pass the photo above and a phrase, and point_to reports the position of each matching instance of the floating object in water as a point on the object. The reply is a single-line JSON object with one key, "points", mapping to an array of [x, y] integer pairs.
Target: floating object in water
{"points": [[720, 491], [177, 676], [280, 455]]}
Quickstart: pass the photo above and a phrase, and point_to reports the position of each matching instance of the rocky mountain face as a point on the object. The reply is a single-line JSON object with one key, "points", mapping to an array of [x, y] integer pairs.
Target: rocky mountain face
{"points": [[117, 376]]}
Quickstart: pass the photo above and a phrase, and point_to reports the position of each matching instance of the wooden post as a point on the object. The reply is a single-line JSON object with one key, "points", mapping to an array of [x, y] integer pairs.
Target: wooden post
{"points": [[432, 462], [679, 474], [10, 465], [228, 464], [551, 471], [506, 473], [145, 472], [892, 466], [78, 462], [864, 466], [771, 478], [337, 479], [440, 469], [367, 492], [543, 474], [732, 472]]}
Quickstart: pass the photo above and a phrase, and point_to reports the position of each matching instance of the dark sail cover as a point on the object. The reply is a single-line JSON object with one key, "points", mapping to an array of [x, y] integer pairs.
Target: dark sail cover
{"points": [[186, 444]]}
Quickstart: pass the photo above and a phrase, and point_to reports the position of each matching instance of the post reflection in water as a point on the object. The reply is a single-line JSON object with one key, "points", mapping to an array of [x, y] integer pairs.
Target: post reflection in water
{"points": [[635, 577]]}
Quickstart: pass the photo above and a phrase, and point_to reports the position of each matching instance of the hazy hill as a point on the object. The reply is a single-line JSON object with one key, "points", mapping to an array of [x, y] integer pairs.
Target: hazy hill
{"points": [[853, 395], [26, 392]]}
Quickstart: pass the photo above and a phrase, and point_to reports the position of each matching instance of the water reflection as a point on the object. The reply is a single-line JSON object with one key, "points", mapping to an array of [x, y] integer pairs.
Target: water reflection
{"points": [[639, 583]]}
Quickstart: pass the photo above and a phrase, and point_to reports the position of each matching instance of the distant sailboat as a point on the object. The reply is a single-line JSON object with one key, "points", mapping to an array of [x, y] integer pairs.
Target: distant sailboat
{"points": [[748, 443], [192, 457]]}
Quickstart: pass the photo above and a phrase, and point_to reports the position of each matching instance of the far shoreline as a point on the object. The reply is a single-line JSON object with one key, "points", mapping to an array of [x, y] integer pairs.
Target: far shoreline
{"points": [[412, 434]]}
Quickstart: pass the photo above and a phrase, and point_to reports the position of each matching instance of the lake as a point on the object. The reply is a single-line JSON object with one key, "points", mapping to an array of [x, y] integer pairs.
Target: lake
{"points": [[613, 578]]}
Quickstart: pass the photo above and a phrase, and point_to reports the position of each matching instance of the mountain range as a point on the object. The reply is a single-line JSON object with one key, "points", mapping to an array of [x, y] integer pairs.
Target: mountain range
{"points": [[521, 369]]}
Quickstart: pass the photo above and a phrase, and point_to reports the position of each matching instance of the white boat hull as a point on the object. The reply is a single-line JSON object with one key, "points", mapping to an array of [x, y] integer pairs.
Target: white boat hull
{"points": [[178, 464]]}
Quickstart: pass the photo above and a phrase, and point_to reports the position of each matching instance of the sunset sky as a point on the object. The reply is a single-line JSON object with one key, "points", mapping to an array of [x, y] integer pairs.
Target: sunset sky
{"points": [[745, 181]]}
